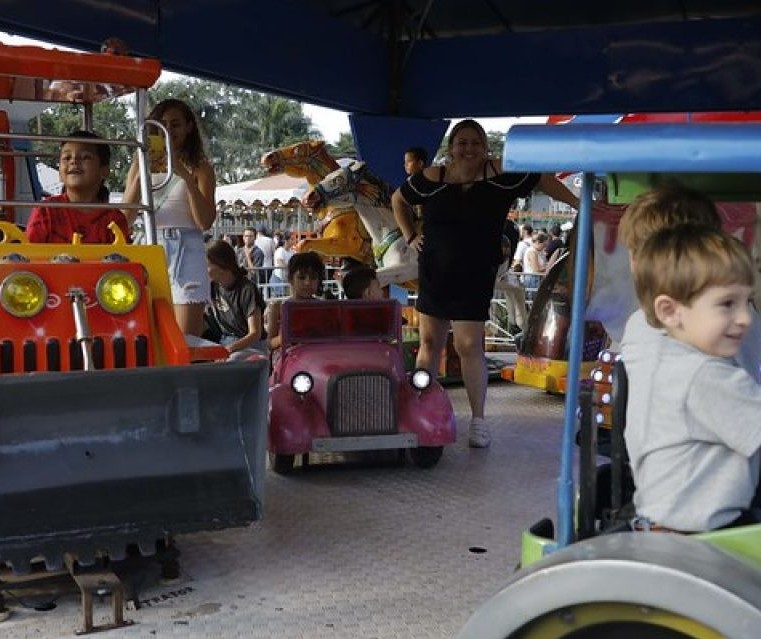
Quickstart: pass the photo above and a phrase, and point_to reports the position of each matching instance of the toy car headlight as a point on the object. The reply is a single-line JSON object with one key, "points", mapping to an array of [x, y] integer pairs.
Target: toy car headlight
{"points": [[420, 378], [302, 383], [23, 294], [118, 292]]}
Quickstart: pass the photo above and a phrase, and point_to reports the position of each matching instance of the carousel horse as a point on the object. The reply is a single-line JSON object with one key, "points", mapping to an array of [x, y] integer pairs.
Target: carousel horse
{"points": [[341, 232], [354, 186]]}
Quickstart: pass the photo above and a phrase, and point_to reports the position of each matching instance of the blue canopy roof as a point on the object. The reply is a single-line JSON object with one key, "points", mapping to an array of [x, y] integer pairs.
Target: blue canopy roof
{"points": [[437, 58]]}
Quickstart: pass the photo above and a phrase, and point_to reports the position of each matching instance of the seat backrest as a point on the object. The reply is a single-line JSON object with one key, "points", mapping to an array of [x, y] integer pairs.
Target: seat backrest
{"points": [[618, 455]]}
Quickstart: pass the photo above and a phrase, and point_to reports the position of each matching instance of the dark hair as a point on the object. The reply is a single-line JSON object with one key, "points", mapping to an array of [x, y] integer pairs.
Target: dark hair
{"points": [[556, 230], [221, 254], [193, 152], [468, 124], [356, 280], [419, 153], [309, 261], [103, 151]]}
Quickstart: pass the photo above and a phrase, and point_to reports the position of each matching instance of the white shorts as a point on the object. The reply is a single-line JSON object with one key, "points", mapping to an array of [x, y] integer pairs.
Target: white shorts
{"points": [[186, 263]]}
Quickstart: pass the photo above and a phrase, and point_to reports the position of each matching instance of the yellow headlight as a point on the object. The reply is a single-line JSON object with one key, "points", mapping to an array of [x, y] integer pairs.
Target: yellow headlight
{"points": [[118, 292], [23, 294]]}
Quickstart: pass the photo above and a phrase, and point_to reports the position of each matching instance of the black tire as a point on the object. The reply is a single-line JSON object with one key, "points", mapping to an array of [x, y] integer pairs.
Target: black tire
{"points": [[426, 456], [282, 464]]}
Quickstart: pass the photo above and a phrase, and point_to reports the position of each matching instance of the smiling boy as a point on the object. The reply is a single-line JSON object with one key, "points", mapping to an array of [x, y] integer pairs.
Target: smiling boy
{"points": [[693, 429], [83, 168]]}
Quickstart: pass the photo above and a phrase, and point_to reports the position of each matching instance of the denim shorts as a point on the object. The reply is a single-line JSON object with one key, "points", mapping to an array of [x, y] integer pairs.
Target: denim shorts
{"points": [[186, 263]]}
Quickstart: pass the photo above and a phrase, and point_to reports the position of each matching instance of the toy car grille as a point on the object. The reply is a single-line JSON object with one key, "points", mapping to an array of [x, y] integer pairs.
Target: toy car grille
{"points": [[52, 356], [361, 404]]}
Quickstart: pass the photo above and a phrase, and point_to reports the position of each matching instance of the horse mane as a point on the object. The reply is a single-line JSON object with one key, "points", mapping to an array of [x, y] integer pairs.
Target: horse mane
{"points": [[309, 159]]}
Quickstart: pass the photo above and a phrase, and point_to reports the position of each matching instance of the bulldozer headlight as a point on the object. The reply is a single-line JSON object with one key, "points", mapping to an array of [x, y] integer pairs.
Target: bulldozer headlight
{"points": [[118, 292], [420, 379], [302, 383], [23, 294]]}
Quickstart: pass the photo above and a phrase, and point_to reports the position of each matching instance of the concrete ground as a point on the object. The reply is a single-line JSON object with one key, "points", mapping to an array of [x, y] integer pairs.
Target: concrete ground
{"points": [[370, 550]]}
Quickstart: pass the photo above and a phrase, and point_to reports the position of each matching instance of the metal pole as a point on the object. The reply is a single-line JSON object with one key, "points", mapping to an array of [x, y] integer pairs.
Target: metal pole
{"points": [[576, 336], [146, 192]]}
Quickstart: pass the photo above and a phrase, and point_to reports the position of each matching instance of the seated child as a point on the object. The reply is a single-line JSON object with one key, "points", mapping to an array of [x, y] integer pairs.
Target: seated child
{"points": [[361, 283], [236, 309], [665, 207], [83, 169], [306, 273], [693, 429]]}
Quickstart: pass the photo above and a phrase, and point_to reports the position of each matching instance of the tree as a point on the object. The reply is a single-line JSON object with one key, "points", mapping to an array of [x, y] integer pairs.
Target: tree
{"points": [[344, 148], [238, 125], [494, 139], [111, 120]]}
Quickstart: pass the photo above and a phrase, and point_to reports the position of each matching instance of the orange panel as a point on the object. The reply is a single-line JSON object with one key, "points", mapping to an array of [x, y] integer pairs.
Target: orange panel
{"points": [[35, 73], [56, 321]]}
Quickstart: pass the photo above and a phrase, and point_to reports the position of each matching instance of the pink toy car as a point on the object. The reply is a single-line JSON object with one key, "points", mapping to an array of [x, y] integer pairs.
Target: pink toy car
{"points": [[339, 385]]}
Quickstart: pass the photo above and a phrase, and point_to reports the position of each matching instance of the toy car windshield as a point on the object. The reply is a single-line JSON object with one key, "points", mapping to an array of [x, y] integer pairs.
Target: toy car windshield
{"points": [[315, 321]]}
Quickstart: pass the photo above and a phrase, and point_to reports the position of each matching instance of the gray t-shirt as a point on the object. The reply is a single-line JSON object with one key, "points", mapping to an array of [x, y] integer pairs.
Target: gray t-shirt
{"points": [[693, 430]]}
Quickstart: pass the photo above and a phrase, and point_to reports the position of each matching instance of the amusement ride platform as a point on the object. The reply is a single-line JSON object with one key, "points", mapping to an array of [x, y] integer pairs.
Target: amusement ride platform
{"points": [[366, 550]]}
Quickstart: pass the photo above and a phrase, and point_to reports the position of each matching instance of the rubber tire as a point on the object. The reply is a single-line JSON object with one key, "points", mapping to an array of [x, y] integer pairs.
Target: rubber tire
{"points": [[282, 464], [426, 456]]}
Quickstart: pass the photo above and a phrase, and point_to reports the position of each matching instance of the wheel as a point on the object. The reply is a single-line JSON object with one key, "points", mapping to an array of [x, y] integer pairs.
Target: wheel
{"points": [[626, 585], [282, 464], [426, 456]]}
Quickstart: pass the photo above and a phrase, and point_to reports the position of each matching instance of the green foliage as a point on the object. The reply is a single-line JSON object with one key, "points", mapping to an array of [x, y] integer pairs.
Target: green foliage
{"points": [[344, 148], [495, 140], [111, 120], [238, 126]]}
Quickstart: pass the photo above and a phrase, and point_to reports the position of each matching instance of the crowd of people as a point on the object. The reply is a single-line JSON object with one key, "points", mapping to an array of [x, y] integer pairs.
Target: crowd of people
{"points": [[205, 285], [691, 351]]}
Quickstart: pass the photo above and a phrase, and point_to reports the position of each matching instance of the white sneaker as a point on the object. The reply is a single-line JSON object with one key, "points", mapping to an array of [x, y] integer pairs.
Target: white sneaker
{"points": [[478, 435]]}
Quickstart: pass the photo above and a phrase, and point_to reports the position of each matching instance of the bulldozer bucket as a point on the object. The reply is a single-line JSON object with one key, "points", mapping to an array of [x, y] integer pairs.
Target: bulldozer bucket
{"points": [[93, 462]]}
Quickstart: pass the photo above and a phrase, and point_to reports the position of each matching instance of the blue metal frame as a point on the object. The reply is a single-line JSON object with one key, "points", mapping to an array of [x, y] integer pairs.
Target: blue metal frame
{"points": [[598, 148]]}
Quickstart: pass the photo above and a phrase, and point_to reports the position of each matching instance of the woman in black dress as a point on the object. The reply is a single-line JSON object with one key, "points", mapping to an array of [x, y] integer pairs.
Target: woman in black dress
{"points": [[467, 198]]}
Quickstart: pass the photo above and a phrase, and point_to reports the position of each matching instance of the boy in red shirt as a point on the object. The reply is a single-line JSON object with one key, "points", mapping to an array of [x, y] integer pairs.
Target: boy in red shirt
{"points": [[83, 169]]}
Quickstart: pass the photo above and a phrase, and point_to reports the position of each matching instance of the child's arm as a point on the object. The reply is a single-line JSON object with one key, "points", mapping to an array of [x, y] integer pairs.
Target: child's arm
{"points": [[720, 390], [273, 325], [255, 328], [201, 184], [38, 225], [131, 191]]}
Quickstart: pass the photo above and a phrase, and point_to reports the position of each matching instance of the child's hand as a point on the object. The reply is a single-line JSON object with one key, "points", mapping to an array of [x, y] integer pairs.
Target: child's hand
{"points": [[181, 170]]}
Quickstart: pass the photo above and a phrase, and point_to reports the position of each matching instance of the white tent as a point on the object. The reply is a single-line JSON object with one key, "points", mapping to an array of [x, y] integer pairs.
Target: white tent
{"points": [[268, 189], [50, 180], [265, 190]]}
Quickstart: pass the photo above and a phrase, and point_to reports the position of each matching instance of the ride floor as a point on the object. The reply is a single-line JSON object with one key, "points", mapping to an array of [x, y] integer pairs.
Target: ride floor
{"points": [[369, 549]]}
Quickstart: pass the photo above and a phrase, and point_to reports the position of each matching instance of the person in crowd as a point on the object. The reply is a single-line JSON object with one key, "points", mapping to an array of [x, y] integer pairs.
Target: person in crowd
{"points": [[554, 242], [534, 264], [283, 255], [83, 168], [694, 469], [467, 196], [507, 282], [415, 160], [277, 237], [526, 233], [664, 207], [267, 246], [234, 316], [250, 256], [306, 273], [184, 209], [361, 283]]}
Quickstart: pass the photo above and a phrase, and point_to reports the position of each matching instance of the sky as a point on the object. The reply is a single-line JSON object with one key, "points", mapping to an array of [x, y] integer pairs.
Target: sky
{"points": [[330, 122]]}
